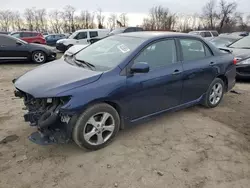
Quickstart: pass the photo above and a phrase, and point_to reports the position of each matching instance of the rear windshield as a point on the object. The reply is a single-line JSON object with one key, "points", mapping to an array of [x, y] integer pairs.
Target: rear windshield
{"points": [[243, 43]]}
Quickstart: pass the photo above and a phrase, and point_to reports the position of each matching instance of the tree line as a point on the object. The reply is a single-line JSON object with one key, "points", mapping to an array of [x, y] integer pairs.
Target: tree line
{"points": [[216, 15]]}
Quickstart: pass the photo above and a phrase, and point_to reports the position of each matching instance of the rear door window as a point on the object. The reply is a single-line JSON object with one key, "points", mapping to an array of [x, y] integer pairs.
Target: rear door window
{"points": [[208, 34], [25, 34], [93, 34], [193, 49], [215, 34]]}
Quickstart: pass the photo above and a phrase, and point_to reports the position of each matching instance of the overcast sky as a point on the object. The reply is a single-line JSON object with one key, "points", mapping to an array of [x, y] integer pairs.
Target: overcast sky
{"points": [[130, 6], [136, 9]]}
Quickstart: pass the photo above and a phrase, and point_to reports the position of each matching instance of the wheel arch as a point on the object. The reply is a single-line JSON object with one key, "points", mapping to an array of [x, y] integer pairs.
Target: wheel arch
{"points": [[224, 79], [112, 103]]}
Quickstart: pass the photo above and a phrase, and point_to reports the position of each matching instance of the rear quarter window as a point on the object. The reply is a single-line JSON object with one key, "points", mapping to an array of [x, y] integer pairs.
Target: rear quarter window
{"points": [[215, 34]]}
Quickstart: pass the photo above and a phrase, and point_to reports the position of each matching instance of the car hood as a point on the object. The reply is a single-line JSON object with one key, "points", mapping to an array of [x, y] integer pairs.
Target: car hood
{"points": [[74, 49], [41, 46], [52, 79]]}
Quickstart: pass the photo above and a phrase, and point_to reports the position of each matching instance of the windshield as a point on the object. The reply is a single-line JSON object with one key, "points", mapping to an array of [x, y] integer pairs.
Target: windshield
{"points": [[242, 43], [220, 42], [109, 52], [117, 31], [22, 41], [16, 35], [72, 36]]}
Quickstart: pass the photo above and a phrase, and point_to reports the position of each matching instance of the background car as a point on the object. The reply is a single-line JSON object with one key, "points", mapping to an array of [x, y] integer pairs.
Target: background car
{"points": [[30, 36], [4, 32], [208, 35], [224, 40], [51, 39], [125, 30], [241, 33], [120, 80], [14, 49], [241, 50], [80, 37]]}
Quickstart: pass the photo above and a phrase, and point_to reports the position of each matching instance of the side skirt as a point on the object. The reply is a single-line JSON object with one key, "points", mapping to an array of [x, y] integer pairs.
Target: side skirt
{"points": [[176, 108]]}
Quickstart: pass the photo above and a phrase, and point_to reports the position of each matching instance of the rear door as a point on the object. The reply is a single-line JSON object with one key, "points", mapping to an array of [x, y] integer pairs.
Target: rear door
{"points": [[199, 68], [10, 50], [160, 88], [26, 36]]}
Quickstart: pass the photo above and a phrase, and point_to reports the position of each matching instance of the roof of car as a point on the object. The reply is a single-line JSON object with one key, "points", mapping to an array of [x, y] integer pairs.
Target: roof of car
{"points": [[155, 34]]}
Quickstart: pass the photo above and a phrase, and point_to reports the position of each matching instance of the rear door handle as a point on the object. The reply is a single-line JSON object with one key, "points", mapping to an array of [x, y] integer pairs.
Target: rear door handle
{"points": [[176, 72]]}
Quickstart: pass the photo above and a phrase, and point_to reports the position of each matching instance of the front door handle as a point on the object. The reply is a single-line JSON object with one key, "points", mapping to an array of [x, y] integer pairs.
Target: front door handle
{"points": [[176, 72], [212, 63]]}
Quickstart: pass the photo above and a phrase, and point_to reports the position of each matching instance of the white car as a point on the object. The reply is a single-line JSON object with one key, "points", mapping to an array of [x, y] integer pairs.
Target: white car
{"points": [[80, 37], [74, 49], [208, 35]]}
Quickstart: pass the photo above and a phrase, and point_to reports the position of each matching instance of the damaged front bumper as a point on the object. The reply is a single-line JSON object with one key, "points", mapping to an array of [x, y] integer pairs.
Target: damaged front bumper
{"points": [[53, 126]]}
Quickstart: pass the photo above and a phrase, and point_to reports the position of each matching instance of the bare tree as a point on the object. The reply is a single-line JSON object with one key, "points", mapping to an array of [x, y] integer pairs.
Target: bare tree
{"points": [[5, 19], [100, 19], [226, 11], [112, 21], [17, 21], [160, 19], [69, 15], [210, 14], [55, 20], [123, 20], [30, 18], [40, 19]]}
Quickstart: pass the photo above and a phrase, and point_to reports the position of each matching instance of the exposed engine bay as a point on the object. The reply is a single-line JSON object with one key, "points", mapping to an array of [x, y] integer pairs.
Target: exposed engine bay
{"points": [[44, 113]]}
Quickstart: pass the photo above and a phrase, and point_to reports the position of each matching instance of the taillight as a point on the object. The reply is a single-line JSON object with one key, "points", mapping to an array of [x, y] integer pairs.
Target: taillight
{"points": [[235, 61]]}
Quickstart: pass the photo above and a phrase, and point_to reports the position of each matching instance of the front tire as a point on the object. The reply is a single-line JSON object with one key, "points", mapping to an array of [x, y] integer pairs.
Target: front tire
{"points": [[96, 127], [39, 57], [214, 93]]}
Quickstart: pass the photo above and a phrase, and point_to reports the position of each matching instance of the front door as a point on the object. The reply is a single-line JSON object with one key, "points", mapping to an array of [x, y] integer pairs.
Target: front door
{"points": [[160, 88], [11, 50], [81, 37], [198, 69]]}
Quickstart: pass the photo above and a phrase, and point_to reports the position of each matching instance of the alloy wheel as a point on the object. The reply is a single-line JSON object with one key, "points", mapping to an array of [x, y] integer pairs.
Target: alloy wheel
{"points": [[216, 93], [99, 128], [39, 57]]}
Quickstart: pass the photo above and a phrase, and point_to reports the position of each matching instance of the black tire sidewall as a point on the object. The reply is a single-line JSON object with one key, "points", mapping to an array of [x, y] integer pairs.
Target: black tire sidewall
{"points": [[207, 101], [81, 123], [68, 47], [45, 57]]}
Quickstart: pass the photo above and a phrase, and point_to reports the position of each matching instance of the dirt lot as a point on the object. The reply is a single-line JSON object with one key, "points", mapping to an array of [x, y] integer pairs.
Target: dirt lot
{"points": [[193, 148]]}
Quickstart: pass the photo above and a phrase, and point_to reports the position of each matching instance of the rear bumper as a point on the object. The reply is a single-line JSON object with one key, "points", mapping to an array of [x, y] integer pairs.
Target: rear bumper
{"points": [[231, 78], [61, 47], [243, 71]]}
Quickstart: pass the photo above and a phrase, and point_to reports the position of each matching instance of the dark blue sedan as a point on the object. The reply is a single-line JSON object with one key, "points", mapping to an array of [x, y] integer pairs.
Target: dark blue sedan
{"points": [[89, 96], [53, 38]]}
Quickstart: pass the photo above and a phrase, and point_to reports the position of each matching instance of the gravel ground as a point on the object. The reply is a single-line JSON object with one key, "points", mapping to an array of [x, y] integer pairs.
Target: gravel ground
{"points": [[192, 148]]}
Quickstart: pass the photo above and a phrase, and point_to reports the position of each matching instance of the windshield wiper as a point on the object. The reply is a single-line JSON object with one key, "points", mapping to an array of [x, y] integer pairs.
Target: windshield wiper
{"points": [[91, 66], [245, 48]]}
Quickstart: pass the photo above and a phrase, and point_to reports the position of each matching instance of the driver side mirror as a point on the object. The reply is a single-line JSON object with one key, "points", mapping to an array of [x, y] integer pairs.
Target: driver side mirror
{"points": [[140, 67], [19, 43]]}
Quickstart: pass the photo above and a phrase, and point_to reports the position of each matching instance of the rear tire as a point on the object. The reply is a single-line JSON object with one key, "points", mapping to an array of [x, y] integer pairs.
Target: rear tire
{"points": [[214, 93], [96, 127]]}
